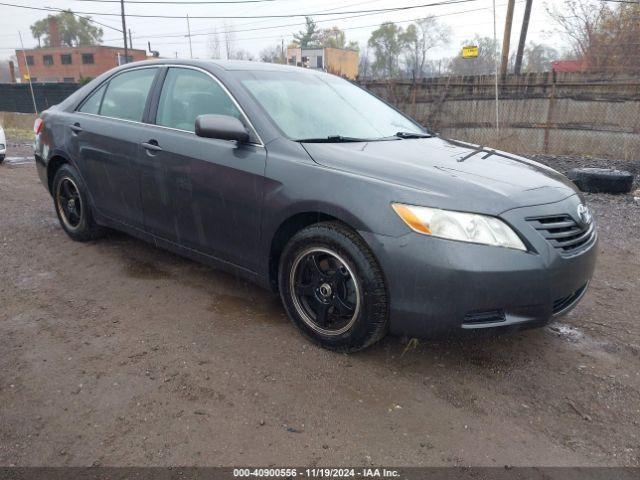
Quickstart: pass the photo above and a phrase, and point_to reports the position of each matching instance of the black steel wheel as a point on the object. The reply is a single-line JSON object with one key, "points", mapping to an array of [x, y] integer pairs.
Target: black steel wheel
{"points": [[72, 205], [333, 288], [69, 203], [325, 291]]}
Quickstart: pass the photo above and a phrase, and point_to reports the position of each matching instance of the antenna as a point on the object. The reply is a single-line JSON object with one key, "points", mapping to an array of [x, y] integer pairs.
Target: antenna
{"points": [[24, 54]]}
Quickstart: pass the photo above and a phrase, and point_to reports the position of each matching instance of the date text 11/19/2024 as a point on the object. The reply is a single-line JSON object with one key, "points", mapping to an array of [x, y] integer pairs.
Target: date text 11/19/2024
{"points": [[316, 472]]}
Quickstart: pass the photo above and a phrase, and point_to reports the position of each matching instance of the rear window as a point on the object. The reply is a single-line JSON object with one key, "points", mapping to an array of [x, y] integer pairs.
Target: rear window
{"points": [[127, 93]]}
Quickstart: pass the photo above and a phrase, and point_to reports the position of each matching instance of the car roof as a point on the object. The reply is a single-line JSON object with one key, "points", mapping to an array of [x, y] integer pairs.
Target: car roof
{"points": [[228, 65]]}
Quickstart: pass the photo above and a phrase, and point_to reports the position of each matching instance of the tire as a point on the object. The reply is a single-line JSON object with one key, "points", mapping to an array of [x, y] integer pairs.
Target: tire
{"points": [[601, 180], [72, 205], [2, 158], [344, 311]]}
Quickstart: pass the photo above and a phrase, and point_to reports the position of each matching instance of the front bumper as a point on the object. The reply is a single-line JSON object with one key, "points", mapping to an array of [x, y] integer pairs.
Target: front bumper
{"points": [[441, 286]]}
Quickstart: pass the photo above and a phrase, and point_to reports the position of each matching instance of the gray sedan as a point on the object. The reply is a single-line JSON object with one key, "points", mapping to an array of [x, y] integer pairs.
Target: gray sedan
{"points": [[363, 221]]}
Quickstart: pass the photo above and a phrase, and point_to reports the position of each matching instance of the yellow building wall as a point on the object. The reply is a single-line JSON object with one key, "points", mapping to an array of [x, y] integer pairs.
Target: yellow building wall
{"points": [[341, 62]]}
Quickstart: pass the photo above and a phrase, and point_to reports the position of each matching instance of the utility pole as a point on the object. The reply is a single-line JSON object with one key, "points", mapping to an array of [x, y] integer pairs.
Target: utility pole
{"points": [[495, 46], [130, 40], [507, 38], [189, 35], [26, 64], [124, 32], [523, 36]]}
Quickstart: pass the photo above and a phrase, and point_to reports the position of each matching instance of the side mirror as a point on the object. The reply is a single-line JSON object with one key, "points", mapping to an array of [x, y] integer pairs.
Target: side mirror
{"points": [[223, 127]]}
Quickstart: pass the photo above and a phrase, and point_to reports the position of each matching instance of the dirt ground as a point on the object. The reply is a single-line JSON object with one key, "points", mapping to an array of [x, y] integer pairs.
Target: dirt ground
{"points": [[118, 353]]}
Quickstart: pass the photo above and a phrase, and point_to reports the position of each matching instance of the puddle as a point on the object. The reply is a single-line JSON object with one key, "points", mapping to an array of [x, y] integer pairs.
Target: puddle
{"points": [[19, 160], [568, 332]]}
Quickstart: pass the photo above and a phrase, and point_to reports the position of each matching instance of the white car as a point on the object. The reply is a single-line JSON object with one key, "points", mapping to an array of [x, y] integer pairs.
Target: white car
{"points": [[3, 145]]}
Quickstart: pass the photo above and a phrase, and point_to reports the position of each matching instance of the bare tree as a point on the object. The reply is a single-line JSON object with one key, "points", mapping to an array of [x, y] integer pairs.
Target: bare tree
{"points": [[538, 57], [578, 21], [605, 38], [420, 37], [214, 44], [364, 65], [242, 54], [271, 54], [229, 40]]}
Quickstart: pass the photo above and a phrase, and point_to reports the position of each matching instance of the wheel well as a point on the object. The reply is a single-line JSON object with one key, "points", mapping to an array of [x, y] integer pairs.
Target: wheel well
{"points": [[285, 231], [54, 164]]}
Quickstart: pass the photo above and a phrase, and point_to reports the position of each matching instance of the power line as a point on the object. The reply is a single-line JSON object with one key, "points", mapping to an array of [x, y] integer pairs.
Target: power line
{"points": [[222, 17], [207, 31], [352, 28], [179, 2]]}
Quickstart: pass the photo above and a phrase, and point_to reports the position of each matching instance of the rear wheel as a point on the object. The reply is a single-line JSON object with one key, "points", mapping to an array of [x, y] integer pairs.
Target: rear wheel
{"points": [[332, 288], [72, 205]]}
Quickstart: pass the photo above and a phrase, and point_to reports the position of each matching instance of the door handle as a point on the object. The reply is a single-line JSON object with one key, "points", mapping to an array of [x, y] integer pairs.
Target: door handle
{"points": [[152, 146], [76, 128]]}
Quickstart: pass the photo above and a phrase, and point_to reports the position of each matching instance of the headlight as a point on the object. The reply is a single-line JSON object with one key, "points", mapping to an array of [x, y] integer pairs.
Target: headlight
{"points": [[465, 227]]}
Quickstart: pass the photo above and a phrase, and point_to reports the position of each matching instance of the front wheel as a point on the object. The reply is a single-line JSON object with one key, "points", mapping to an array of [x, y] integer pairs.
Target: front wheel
{"points": [[333, 288]]}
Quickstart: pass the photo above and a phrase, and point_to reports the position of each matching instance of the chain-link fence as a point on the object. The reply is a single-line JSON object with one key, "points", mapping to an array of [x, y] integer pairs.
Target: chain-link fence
{"points": [[541, 113]]}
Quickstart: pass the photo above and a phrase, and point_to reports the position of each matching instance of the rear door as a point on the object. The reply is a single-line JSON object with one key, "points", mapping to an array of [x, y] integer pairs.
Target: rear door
{"points": [[104, 137], [202, 193]]}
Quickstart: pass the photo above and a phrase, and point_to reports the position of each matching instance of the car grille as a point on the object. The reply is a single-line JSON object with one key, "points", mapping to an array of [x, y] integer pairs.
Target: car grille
{"points": [[563, 232], [562, 304]]}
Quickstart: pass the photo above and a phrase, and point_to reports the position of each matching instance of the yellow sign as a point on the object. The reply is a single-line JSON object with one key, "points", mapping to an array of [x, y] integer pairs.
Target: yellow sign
{"points": [[470, 51], [26, 76]]}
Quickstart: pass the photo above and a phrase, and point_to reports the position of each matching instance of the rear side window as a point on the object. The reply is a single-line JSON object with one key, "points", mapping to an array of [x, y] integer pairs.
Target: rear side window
{"points": [[92, 104], [188, 93], [127, 93]]}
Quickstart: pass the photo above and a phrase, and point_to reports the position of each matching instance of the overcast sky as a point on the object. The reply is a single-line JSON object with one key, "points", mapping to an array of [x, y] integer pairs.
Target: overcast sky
{"points": [[465, 19]]}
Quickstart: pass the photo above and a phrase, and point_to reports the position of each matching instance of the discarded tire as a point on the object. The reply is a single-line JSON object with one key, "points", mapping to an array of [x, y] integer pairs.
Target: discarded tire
{"points": [[601, 180]]}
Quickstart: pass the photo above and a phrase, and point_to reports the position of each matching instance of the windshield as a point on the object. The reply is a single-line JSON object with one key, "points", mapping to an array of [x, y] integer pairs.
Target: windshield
{"points": [[315, 106]]}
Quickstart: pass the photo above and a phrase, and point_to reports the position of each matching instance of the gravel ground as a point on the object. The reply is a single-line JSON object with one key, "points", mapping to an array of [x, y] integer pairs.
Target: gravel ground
{"points": [[117, 353]]}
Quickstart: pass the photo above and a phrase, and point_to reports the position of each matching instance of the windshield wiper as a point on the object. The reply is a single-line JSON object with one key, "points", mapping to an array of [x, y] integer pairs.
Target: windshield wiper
{"points": [[413, 135], [333, 139]]}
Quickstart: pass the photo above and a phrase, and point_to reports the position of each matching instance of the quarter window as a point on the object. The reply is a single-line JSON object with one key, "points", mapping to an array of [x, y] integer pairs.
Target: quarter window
{"points": [[92, 104], [126, 94], [188, 93]]}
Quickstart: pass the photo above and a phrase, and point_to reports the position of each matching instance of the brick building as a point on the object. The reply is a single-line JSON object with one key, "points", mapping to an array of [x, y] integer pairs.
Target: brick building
{"points": [[58, 63], [70, 64]]}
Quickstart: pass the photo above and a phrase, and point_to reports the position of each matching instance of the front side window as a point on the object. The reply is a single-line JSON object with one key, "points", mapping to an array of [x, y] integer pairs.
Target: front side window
{"points": [[307, 105], [87, 58], [188, 93], [127, 93], [47, 59]]}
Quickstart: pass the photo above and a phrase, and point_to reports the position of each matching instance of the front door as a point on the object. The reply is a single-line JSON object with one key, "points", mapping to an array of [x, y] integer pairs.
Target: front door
{"points": [[201, 193]]}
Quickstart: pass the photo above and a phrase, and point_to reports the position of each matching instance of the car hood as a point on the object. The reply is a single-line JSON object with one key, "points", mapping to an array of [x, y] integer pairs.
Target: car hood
{"points": [[460, 174]]}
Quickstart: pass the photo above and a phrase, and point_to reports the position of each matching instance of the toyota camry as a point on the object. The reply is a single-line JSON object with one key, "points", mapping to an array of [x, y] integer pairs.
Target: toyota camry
{"points": [[363, 221]]}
